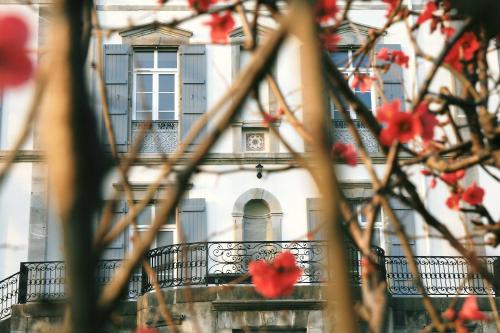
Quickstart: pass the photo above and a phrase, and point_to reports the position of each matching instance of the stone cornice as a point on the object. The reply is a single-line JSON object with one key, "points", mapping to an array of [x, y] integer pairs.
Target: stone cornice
{"points": [[211, 159]]}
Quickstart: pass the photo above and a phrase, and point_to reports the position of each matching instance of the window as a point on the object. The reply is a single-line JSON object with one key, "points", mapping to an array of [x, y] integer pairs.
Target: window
{"points": [[358, 205], [347, 63], [155, 84], [166, 235]]}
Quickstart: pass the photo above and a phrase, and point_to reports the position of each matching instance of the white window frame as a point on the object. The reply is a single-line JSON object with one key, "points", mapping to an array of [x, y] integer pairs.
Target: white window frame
{"points": [[166, 227], [349, 72], [378, 226], [156, 72]]}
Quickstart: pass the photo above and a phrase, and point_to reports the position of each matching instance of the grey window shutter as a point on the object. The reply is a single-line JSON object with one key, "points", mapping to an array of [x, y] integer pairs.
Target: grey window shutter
{"points": [[116, 77], [194, 87], [407, 218], [193, 216], [116, 249], [314, 218], [393, 79]]}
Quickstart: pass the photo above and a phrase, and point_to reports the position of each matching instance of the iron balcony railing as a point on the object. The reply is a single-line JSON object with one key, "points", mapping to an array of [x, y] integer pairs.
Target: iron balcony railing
{"points": [[209, 263], [158, 136]]}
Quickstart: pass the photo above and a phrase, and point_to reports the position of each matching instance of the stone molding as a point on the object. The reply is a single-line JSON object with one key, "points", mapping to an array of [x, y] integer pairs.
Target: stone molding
{"points": [[275, 213]]}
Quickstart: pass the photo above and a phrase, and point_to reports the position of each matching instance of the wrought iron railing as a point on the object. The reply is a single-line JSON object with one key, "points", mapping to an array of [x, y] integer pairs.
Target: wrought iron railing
{"points": [[222, 262], [9, 289], [209, 263], [160, 136], [341, 134], [445, 276]]}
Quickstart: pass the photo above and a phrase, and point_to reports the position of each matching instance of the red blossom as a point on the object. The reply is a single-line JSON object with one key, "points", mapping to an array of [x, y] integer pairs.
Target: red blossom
{"points": [[362, 82], [453, 201], [426, 172], [473, 195], [201, 5], [426, 14], [347, 152], [392, 5], [221, 25], [470, 310], [433, 183], [384, 54], [427, 120], [326, 10], [451, 178], [396, 56], [449, 314], [15, 66], [402, 126], [276, 278], [400, 58], [268, 118], [330, 41], [464, 49]]}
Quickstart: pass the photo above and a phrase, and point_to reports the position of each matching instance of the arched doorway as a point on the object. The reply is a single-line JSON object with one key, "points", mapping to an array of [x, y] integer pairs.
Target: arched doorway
{"points": [[251, 206], [256, 220]]}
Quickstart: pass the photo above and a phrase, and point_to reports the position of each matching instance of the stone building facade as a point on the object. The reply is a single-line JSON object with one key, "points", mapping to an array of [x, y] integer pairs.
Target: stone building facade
{"points": [[173, 76]]}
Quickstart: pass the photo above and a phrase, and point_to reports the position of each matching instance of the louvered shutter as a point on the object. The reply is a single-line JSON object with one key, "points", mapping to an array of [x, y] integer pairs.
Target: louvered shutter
{"points": [[193, 216], [407, 218], [116, 249], [194, 87], [314, 218], [393, 79], [116, 78]]}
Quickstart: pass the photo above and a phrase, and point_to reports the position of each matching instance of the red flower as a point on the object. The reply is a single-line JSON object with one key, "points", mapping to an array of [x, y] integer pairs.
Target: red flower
{"points": [[268, 118], [277, 278], [401, 126], [464, 49], [426, 14], [425, 172], [346, 152], [396, 56], [15, 66], [427, 120], [473, 195], [449, 314], [384, 54], [392, 6], [433, 183], [201, 5], [470, 310], [362, 82], [451, 178], [221, 25], [326, 10], [400, 58], [453, 201], [330, 41]]}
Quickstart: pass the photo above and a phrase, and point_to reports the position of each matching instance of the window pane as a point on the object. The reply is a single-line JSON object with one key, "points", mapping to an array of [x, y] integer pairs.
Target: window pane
{"points": [[144, 82], [165, 238], [143, 59], [340, 58], [362, 60], [166, 115], [167, 59], [144, 217], [144, 101], [143, 115], [166, 102], [365, 97], [343, 101], [167, 83]]}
